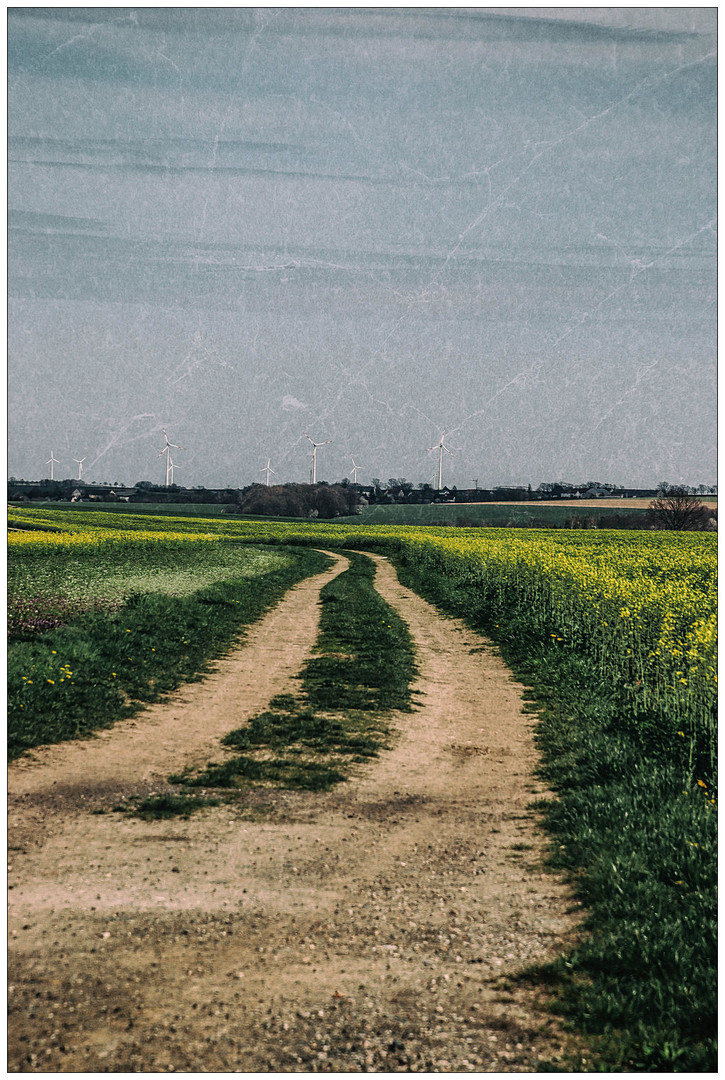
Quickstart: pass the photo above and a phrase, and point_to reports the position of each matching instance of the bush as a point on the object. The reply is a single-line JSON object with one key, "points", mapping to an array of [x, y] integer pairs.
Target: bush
{"points": [[298, 500]]}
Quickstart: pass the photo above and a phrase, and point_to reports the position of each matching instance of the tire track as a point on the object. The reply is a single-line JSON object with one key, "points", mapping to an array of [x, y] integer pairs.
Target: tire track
{"points": [[376, 927]]}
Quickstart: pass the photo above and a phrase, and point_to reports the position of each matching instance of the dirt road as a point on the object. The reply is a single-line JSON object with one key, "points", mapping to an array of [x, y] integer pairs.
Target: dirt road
{"points": [[372, 928]]}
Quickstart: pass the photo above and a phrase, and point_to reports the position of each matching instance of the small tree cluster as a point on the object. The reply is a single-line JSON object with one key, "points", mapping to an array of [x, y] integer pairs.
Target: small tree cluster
{"points": [[298, 500], [676, 508]]}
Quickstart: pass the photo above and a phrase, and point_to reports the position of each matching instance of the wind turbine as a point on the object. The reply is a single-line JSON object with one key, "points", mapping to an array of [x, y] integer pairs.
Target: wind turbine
{"points": [[52, 459], [169, 463], [267, 470], [79, 463], [354, 470], [440, 447], [314, 455]]}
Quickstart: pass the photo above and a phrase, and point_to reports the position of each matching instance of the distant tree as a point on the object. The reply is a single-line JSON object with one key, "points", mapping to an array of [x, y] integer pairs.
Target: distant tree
{"points": [[298, 500], [676, 508]]}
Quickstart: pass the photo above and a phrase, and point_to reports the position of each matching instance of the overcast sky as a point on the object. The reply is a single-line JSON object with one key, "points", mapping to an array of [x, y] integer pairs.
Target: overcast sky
{"points": [[369, 225]]}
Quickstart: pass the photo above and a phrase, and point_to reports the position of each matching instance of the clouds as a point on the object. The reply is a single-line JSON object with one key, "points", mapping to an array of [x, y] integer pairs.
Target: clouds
{"points": [[357, 197]]}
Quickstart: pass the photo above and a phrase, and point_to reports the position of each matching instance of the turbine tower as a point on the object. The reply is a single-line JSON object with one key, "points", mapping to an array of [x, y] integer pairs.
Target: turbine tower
{"points": [[267, 471], [313, 472], [169, 463], [354, 470], [79, 463], [440, 447], [51, 460]]}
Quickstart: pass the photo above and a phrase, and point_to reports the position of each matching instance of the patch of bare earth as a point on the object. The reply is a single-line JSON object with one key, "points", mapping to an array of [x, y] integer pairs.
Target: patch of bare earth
{"points": [[373, 928]]}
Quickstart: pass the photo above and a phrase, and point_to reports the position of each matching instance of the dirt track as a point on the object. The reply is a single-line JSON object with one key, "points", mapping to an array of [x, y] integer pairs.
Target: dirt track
{"points": [[372, 928]]}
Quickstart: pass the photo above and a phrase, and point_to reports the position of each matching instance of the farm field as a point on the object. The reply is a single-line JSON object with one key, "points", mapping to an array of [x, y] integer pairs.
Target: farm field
{"points": [[614, 634], [66, 585], [101, 621], [552, 514], [178, 509], [642, 504], [515, 514]]}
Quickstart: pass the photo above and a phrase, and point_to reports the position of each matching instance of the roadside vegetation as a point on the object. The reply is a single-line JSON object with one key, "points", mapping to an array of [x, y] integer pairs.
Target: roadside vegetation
{"points": [[634, 823]]}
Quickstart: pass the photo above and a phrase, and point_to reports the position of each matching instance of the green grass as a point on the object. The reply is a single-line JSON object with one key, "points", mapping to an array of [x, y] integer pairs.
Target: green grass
{"points": [[522, 514], [215, 511], [177, 508], [53, 590], [636, 835], [104, 666], [362, 671]]}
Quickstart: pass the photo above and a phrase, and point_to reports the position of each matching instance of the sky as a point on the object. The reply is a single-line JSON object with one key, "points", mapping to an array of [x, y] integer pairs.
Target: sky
{"points": [[369, 225]]}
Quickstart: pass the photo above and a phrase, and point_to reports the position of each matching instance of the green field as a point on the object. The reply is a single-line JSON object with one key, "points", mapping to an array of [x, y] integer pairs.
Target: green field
{"points": [[612, 632], [163, 508], [511, 515]]}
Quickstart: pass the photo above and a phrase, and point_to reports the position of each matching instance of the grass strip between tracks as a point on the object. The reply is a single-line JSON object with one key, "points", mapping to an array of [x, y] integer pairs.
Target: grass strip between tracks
{"points": [[636, 836], [362, 669], [104, 666]]}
